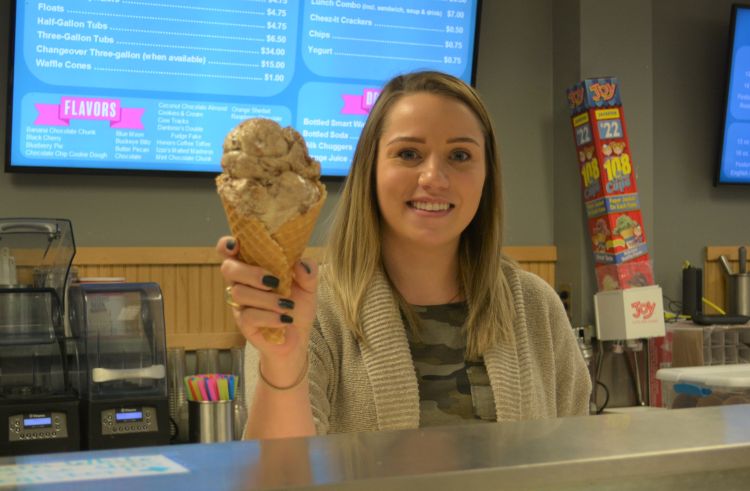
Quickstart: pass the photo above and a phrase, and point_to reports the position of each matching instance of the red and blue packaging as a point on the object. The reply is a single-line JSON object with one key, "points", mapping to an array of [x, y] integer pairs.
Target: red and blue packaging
{"points": [[608, 185]]}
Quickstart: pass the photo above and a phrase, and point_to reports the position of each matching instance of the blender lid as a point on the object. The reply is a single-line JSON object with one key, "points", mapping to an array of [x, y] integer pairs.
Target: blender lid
{"points": [[45, 245]]}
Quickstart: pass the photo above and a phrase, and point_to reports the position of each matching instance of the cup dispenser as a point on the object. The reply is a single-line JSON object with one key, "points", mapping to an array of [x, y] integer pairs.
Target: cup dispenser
{"points": [[39, 385], [120, 327]]}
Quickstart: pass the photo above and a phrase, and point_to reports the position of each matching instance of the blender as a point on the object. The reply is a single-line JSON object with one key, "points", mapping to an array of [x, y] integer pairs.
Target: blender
{"points": [[39, 406], [120, 328]]}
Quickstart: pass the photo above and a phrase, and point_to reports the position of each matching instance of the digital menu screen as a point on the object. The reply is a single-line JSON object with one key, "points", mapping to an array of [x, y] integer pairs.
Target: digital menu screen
{"points": [[147, 85], [734, 166]]}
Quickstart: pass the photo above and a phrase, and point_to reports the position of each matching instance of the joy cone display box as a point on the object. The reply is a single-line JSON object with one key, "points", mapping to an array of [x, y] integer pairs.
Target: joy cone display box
{"points": [[608, 185], [628, 305], [631, 274], [634, 313], [617, 237]]}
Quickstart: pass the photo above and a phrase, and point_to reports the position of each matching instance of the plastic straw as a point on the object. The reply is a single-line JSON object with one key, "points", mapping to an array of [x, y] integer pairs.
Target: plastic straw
{"points": [[223, 388], [210, 387]]}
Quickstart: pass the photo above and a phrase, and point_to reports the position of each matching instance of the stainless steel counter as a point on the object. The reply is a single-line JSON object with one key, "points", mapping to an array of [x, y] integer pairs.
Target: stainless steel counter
{"points": [[688, 449]]}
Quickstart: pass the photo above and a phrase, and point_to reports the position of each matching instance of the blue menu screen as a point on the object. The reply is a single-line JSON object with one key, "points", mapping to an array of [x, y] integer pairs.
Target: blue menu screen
{"points": [[735, 158], [148, 85]]}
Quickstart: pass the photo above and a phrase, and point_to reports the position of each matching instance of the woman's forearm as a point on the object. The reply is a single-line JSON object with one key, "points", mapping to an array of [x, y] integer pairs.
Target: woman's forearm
{"points": [[278, 413]]}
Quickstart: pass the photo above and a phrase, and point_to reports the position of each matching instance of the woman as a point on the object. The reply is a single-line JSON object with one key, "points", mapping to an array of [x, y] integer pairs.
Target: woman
{"points": [[419, 319]]}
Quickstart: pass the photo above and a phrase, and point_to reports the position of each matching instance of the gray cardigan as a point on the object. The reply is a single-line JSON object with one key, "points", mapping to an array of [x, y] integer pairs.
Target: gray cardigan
{"points": [[373, 385]]}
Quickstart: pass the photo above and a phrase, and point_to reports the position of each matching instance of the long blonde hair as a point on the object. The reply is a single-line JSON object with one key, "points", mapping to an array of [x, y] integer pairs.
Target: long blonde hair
{"points": [[354, 246]]}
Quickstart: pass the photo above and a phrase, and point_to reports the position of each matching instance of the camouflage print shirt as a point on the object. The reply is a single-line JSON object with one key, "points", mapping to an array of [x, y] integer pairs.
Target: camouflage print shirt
{"points": [[452, 390]]}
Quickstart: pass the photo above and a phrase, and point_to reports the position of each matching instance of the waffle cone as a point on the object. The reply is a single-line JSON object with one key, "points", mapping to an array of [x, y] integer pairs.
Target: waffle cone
{"points": [[276, 252]]}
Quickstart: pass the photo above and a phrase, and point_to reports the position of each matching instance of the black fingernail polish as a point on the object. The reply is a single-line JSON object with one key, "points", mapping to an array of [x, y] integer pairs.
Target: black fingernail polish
{"points": [[286, 319], [285, 303], [307, 268], [230, 244], [270, 281]]}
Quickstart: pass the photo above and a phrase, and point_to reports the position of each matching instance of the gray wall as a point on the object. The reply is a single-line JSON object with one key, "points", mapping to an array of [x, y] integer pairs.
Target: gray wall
{"points": [[690, 56], [515, 79], [670, 57]]}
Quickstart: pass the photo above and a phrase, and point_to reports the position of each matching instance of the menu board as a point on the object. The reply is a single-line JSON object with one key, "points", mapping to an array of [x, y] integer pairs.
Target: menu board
{"points": [[148, 85], [734, 167]]}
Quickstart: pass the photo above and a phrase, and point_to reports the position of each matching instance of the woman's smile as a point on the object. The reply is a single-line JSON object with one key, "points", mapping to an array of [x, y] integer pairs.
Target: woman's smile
{"points": [[430, 208]]}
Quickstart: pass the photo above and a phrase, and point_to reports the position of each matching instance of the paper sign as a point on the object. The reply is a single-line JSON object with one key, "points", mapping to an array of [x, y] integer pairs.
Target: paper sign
{"points": [[88, 470]]}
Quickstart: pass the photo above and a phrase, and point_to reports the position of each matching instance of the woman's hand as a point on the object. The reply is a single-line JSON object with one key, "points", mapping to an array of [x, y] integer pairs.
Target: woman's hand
{"points": [[259, 306], [281, 404]]}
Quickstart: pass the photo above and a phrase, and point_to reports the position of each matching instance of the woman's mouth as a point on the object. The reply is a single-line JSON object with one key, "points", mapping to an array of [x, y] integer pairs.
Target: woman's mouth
{"points": [[430, 206]]}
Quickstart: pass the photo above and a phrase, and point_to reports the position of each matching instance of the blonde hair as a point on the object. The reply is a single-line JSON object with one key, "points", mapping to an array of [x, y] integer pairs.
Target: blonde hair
{"points": [[354, 246]]}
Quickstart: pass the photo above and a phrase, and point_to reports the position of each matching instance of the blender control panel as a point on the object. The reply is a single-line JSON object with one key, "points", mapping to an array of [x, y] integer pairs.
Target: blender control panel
{"points": [[37, 426], [129, 420]]}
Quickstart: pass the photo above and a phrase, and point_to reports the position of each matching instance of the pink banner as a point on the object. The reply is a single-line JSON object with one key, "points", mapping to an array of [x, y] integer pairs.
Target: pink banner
{"points": [[359, 104], [49, 115], [89, 109], [130, 119]]}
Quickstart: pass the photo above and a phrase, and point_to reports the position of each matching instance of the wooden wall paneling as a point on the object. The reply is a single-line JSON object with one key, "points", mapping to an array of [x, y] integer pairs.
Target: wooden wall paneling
{"points": [[204, 280], [181, 300], [193, 289], [163, 275]]}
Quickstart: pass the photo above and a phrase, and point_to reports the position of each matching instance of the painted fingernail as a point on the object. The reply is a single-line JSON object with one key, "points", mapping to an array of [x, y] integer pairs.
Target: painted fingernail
{"points": [[286, 319], [231, 243], [285, 303], [270, 281], [307, 268]]}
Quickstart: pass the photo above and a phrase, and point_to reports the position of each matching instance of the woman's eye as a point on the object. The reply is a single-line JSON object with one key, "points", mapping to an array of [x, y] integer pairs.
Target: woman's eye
{"points": [[408, 155], [460, 155]]}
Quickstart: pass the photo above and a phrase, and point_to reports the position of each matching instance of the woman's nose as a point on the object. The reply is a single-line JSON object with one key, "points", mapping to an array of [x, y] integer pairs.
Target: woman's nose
{"points": [[433, 174]]}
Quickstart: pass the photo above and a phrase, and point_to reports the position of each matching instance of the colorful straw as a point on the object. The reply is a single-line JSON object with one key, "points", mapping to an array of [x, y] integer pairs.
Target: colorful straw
{"points": [[210, 387]]}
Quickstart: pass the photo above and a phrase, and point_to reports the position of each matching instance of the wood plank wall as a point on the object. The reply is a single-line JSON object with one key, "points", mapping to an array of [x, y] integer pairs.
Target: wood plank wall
{"points": [[714, 286], [194, 309]]}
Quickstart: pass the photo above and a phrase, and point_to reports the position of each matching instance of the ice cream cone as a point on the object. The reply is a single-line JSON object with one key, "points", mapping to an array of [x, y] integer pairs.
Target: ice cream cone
{"points": [[276, 252]]}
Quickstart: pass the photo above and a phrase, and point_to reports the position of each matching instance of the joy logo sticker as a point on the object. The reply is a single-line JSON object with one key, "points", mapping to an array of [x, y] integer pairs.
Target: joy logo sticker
{"points": [[602, 91], [643, 309], [575, 97]]}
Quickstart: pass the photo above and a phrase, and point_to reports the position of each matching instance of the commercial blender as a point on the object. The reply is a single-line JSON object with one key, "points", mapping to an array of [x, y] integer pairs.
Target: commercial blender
{"points": [[120, 327], [39, 386]]}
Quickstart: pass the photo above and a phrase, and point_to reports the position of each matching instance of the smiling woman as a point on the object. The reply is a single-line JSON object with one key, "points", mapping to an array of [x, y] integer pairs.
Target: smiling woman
{"points": [[415, 319], [428, 142]]}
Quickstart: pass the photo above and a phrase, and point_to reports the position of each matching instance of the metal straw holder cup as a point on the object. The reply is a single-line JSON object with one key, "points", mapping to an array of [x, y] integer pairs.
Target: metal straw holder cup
{"points": [[738, 294], [210, 421]]}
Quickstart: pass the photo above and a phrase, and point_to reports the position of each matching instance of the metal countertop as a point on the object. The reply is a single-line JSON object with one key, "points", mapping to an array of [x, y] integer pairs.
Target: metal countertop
{"points": [[687, 449]]}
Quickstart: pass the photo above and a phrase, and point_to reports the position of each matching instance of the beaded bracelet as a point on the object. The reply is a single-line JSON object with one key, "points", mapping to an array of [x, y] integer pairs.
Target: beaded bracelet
{"points": [[299, 380]]}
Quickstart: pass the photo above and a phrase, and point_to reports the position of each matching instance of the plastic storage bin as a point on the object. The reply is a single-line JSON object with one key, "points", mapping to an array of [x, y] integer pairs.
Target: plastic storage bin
{"points": [[705, 386]]}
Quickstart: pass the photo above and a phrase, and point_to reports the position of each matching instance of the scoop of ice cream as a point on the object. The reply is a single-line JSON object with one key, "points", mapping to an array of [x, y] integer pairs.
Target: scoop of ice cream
{"points": [[268, 172]]}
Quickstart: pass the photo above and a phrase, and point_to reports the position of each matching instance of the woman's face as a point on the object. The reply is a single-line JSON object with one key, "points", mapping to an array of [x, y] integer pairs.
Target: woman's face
{"points": [[430, 170]]}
